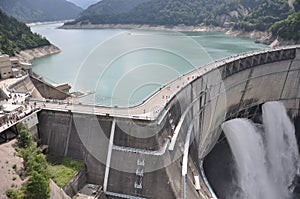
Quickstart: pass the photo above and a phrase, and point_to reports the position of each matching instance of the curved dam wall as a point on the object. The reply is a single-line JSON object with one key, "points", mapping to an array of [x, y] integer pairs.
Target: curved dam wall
{"points": [[236, 87], [225, 89]]}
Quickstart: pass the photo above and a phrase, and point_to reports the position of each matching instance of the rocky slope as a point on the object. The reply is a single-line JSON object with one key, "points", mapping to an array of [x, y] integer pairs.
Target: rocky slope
{"points": [[30, 54]]}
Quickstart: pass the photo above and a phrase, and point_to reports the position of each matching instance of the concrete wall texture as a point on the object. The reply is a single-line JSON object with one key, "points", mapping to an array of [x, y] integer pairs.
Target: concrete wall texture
{"points": [[47, 90], [234, 87], [76, 183], [56, 192]]}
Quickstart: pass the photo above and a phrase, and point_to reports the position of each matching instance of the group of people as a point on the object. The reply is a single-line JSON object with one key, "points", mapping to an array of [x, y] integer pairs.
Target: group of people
{"points": [[9, 117]]}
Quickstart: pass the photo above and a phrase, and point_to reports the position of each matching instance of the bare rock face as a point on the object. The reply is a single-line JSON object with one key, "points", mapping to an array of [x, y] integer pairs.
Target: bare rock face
{"points": [[226, 20], [34, 53], [223, 20], [268, 38], [282, 42], [262, 37], [239, 13], [259, 35], [291, 4], [234, 14], [243, 11]]}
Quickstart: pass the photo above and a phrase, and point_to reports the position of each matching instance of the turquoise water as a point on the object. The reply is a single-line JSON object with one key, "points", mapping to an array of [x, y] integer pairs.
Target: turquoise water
{"points": [[123, 67]]}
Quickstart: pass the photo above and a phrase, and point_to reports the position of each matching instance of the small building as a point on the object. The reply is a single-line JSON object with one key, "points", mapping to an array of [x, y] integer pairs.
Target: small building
{"points": [[14, 61], [17, 64], [5, 67]]}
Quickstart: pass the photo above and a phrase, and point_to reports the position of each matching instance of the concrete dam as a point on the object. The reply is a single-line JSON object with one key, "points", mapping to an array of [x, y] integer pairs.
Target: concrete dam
{"points": [[158, 149]]}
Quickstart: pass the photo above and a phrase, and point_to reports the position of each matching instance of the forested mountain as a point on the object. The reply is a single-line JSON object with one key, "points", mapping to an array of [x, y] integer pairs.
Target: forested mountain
{"points": [[84, 3], [288, 28], [281, 17], [16, 36], [265, 15], [40, 10], [109, 8], [169, 12]]}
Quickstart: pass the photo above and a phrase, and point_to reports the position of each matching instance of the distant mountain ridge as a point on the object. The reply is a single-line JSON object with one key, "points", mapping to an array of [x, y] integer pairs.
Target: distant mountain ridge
{"points": [[29, 11]]}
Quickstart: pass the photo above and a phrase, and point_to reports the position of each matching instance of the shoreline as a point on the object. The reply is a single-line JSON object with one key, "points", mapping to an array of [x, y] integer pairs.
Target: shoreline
{"points": [[180, 28], [30, 54], [46, 22], [259, 36]]}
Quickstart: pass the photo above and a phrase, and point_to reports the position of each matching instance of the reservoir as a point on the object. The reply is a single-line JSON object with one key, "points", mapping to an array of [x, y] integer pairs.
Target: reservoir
{"points": [[124, 67]]}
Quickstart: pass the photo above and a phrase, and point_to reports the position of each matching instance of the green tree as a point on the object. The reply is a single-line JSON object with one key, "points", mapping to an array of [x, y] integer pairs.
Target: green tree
{"points": [[288, 28], [14, 194], [24, 138], [266, 14], [35, 164], [16, 36], [37, 187]]}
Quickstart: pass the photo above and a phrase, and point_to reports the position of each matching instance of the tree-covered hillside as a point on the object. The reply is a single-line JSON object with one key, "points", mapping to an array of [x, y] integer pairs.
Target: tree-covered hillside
{"points": [[280, 17], [265, 15], [288, 28], [108, 8], [168, 12], [40, 10], [16, 36]]}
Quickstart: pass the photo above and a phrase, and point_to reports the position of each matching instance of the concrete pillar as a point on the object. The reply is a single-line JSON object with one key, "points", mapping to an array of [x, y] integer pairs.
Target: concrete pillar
{"points": [[69, 133]]}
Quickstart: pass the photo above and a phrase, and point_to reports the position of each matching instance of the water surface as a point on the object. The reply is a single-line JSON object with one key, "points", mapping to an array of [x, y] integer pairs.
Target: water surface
{"points": [[123, 67]]}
